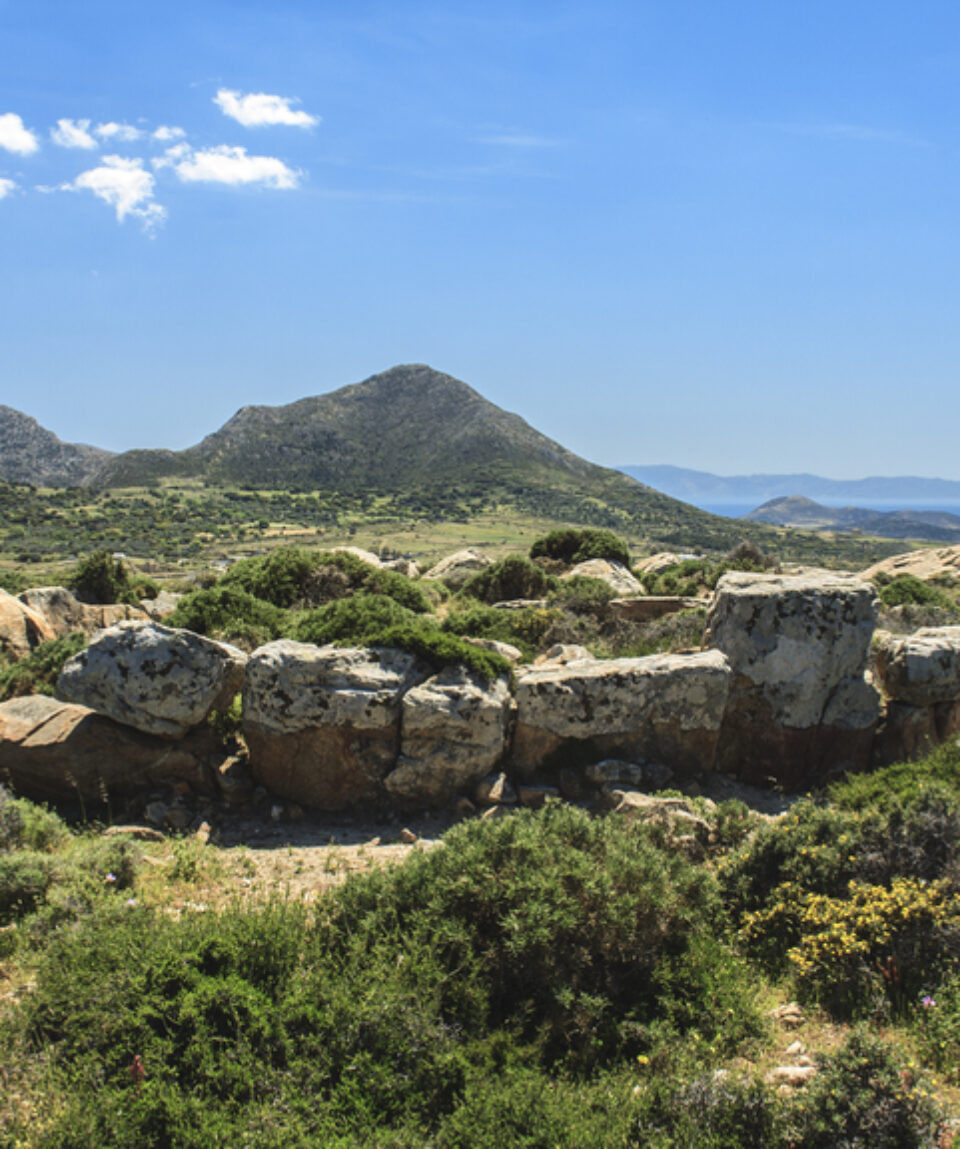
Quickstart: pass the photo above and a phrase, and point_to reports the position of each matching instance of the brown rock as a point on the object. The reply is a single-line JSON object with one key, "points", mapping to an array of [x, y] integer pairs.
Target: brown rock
{"points": [[650, 607], [55, 751]]}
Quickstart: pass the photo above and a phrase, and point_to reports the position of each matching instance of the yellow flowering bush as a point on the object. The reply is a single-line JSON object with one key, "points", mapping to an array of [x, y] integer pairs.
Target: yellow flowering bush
{"points": [[877, 945]]}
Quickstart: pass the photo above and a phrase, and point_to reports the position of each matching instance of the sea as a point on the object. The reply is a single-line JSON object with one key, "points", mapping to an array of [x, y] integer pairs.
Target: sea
{"points": [[735, 510]]}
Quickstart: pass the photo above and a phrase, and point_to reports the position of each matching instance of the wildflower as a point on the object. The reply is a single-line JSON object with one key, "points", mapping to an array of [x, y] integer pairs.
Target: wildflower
{"points": [[927, 1002], [110, 878], [131, 901]]}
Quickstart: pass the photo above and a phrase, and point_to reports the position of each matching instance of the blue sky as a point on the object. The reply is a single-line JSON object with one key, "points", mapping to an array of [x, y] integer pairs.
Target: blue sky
{"points": [[723, 235]]}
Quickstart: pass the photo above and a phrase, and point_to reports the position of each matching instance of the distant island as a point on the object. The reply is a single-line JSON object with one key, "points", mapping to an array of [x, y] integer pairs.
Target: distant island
{"points": [[752, 490], [804, 513]]}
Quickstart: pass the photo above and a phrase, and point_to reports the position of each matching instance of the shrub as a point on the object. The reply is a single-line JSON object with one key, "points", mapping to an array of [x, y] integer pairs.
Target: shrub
{"points": [[524, 628], [100, 578], [39, 671], [875, 945], [374, 620], [937, 1025], [582, 595], [27, 826], [907, 590], [863, 1097], [509, 578], [227, 612], [576, 546], [278, 577]]}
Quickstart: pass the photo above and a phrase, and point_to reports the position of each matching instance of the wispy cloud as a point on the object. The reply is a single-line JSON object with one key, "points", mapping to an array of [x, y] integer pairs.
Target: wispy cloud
{"points": [[231, 165], [73, 134], [259, 109], [857, 133], [7, 187], [517, 140], [126, 186], [167, 134], [15, 137], [118, 133]]}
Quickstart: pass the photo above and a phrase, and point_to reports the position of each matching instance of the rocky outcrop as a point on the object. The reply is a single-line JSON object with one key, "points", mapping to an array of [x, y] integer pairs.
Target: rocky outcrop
{"points": [[455, 569], [454, 730], [800, 705], [65, 614], [663, 560], [667, 707], [920, 675], [922, 668], [614, 574], [162, 606], [156, 679], [30, 453], [21, 628], [56, 751], [323, 723], [923, 564], [358, 552]]}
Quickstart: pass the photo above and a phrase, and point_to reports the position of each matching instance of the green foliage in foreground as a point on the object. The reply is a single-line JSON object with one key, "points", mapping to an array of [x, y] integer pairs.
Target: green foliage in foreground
{"points": [[375, 620], [226, 612], [528, 956], [39, 671], [577, 546]]}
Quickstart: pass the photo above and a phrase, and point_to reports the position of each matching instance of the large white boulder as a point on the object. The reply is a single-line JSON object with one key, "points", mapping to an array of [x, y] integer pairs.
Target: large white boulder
{"points": [[455, 569], [65, 614], [453, 731], [154, 678], [667, 707], [613, 573], [323, 722], [800, 705]]}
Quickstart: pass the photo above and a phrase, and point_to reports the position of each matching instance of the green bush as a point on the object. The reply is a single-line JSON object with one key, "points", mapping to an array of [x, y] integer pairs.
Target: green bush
{"points": [[509, 578], [937, 1025], [863, 1097], [39, 671], [278, 578], [576, 546], [25, 877], [100, 578], [902, 782], [907, 589], [582, 595], [26, 826], [226, 612], [524, 628], [374, 620]]}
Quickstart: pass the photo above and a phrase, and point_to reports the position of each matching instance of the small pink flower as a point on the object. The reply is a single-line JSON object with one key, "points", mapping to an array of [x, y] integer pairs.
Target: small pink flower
{"points": [[927, 1002], [110, 878]]}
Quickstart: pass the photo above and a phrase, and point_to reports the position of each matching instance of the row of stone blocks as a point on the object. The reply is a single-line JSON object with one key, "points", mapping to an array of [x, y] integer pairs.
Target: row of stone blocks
{"points": [[780, 693]]}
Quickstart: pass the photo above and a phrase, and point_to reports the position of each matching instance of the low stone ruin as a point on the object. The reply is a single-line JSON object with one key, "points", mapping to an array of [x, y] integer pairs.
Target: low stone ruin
{"points": [[783, 693]]}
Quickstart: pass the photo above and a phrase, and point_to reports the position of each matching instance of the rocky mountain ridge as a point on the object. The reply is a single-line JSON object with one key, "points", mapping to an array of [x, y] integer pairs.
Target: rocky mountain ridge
{"points": [[799, 511], [30, 453]]}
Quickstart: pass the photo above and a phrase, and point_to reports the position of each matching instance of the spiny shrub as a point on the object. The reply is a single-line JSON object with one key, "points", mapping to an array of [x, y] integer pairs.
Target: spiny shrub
{"points": [[27, 826], [875, 946], [863, 1097], [582, 595], [39, 671], [524, 628], [227, 612], [509, 578], [577, 932], [937, 1024], [901, 782], [576, 546], [907, 589], [374, 620]]}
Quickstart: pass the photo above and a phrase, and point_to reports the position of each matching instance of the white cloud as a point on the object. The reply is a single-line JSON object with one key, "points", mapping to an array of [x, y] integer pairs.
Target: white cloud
{"points": [[126, 186], [119, 133], [166, 133], [15, 137], [227, 165], [6, 187], [257, 109], [73, 134]]}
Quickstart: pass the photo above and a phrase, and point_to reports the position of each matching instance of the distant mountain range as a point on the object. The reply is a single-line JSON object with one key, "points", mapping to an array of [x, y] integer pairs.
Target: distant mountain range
{"points": [[751, 490], [797, 511]]}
